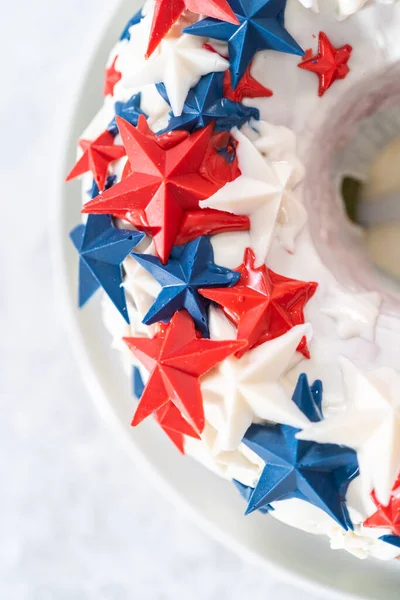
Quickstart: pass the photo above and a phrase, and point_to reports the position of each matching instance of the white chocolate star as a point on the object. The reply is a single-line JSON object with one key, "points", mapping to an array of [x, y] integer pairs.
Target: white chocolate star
{"points": [[240, 391], [370, 424], [355, 314], [257, 192], [177, 62]]}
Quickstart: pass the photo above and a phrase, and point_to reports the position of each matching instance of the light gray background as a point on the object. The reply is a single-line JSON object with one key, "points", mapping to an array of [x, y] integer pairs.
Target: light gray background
{"points": [[77, 519]]}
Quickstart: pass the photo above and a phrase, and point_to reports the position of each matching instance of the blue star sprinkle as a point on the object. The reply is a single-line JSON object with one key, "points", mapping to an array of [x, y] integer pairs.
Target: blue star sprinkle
{"points": [[126, 34], [137, 383], [130, 111], [261, 27], [317, 473], [245, 491], [102, 248], [94, 190], [190, 267], [205, 103], [394, 540]]}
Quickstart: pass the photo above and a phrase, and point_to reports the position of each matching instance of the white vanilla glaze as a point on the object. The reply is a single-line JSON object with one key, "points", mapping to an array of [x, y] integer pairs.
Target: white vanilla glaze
{"points": [[354, 321]]}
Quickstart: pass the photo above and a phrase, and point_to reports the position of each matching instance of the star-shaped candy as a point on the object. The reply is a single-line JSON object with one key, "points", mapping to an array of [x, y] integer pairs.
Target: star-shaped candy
{"points": [[205, 104], [167, 13], [370, 424], [263, 305], [256, 193], [189, 268], [261, 27], [102, 249], [387, 516], [317, 473], [94, 190], [329, 64], [96, 157], [242, 390], [129, 111], [246, 491], [176, 359], [164, 185], [126, 34], [178, 63], [248, 87], [112, 76], [168, 416]]}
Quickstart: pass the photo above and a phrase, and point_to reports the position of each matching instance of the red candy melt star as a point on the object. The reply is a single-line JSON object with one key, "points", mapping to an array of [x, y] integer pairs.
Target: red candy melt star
{"points": [[112, 76], [330, 63], [175, 360], [248, 87], [167, 181], [167, 12], [387, 516], [96, 157], [174, 425], [263, 305]]}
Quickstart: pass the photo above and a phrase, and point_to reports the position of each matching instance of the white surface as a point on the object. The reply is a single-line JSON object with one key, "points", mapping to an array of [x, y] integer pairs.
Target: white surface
{"points": [[78, 520]]}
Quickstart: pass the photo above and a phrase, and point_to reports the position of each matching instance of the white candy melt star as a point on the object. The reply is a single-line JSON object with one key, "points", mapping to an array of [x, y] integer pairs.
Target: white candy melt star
{"points": [[241, 390], [257, 192], [370, 424], [177, 62], [355, 314]]}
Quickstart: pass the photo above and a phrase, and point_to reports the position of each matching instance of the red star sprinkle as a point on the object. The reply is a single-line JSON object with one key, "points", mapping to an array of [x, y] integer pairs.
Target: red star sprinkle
{"points": [[174, 425], [330, 63], [96, 157], [175, 360], [167, 12], [165, 184], [263, 305], [209, 221], [112, 76], [248, 87], [387, 516]]}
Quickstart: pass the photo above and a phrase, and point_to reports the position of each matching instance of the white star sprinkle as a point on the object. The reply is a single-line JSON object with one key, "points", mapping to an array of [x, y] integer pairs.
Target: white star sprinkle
{"points": [[370, 424], [355, 314]]}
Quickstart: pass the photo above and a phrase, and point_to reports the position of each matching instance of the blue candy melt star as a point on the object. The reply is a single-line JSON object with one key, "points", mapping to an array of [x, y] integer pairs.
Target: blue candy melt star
{"points": [[206, 103], [137, 383], [317, 473], [102, 248], [130, 111], [245, 491], [394, 540], [189, 268], [126, 34], [261, 27], [94, 190]]}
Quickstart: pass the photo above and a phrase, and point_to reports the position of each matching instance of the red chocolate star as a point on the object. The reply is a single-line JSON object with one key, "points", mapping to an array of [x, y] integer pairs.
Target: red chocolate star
{"points": [[167, 12], [112, 76], [175, 360], [160, 185], [330, 63], [96, 157], [174, 425], [248, 87], [263, 305], [387, 516]]}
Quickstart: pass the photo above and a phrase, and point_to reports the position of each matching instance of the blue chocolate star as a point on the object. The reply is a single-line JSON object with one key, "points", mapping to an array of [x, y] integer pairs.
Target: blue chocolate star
{"points": [[190, 267], [205, 103], [317, 473], [130, 111], [245, 491], [394, 540], [102, 248], [137, 383], [261, 27], [126, 34], [94, 190]]}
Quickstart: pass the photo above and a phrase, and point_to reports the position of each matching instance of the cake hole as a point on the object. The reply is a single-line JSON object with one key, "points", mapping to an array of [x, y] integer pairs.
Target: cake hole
{"points": [[352, 189]]}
